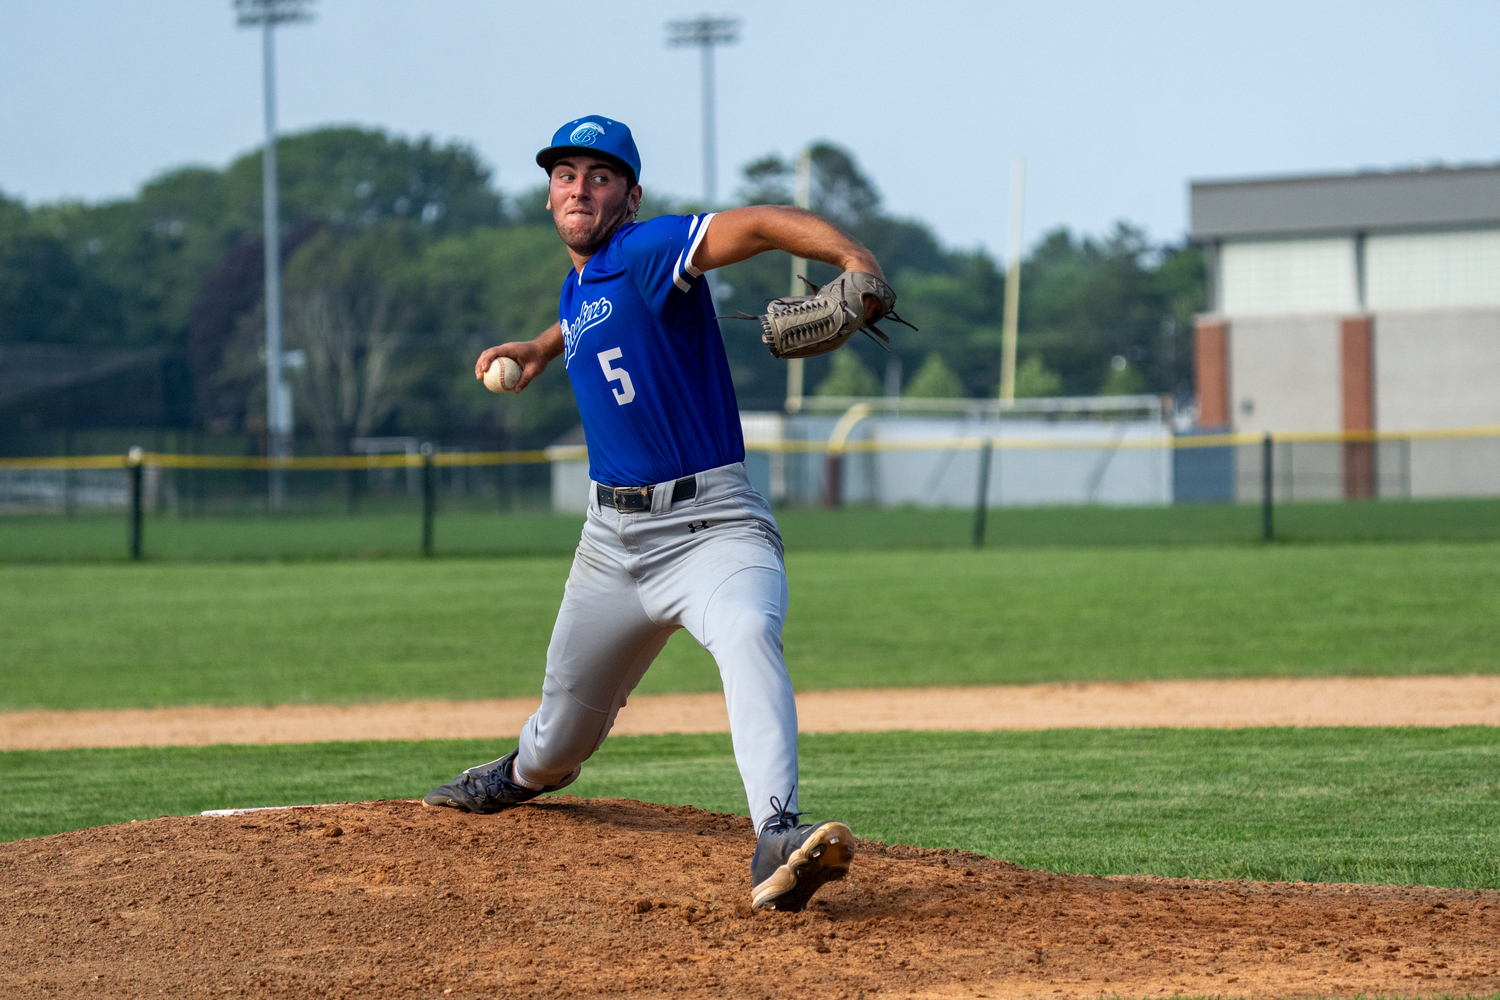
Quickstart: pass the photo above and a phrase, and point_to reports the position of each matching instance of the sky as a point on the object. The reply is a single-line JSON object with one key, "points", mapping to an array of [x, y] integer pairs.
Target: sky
{"points": [[1115, 106]]}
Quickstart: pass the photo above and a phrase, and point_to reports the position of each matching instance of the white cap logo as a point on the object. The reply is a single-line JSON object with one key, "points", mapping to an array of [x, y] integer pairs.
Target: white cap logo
{"points": [[586, 134]]}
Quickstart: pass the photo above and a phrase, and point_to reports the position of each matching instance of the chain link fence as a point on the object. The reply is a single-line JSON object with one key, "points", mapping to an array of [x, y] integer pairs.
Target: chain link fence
{"points": [[886, 486]]}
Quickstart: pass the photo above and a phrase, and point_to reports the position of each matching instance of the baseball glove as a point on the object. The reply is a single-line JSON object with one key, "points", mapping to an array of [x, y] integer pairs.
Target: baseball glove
{"points": [[804, 326]]}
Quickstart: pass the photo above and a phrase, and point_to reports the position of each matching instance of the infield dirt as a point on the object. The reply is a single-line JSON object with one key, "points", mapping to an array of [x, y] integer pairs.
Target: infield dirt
{"points": [[1263, 701], [573, 897]]}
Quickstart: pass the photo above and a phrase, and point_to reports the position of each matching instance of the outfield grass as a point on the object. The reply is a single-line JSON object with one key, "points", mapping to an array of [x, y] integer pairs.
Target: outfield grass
{"points": [[102, 537], [1401, 806], [97, 636], [393, 529]]}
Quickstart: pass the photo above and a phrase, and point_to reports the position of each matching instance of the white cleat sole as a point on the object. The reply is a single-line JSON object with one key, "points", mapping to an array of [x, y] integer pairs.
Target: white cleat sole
{"points": [[824, 856]]}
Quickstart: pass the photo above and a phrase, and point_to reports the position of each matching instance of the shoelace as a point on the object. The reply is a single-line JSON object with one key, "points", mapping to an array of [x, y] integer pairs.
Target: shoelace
{"points": [[491, 782], [784, 819]]}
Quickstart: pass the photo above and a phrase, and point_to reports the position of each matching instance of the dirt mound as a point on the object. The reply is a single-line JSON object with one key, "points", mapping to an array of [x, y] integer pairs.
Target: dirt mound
{"points": [[571, 897]]}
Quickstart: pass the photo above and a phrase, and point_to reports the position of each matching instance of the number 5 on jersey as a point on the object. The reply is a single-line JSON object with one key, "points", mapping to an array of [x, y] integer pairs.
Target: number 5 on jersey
{"points": [[626, 392]]}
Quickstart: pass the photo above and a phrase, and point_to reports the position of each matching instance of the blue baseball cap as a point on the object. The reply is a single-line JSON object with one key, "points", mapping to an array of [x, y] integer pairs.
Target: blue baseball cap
{"points": [[597, 135]]}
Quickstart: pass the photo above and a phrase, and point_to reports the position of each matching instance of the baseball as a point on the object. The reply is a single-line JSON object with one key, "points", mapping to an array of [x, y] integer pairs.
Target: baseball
{"points": [[502, 375]]}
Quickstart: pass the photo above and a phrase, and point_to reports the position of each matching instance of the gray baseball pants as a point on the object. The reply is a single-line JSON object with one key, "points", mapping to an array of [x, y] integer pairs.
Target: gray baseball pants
{"points": [[712, 565]]}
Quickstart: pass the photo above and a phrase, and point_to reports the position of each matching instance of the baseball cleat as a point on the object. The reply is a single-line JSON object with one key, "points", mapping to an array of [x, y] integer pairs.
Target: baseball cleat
{"points": [[792, 862], [488, 788]]}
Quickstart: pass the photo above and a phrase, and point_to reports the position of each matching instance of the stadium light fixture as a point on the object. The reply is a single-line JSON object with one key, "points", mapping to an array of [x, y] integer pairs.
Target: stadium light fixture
{"points": [[706, 31], [266, 15]]}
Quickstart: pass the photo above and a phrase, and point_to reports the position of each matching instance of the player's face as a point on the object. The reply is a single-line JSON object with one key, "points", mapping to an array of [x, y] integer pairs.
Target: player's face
{"points": [[589, 200]]}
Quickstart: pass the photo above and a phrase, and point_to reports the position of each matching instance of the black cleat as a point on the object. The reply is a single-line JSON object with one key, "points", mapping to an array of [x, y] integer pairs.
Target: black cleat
{"points": [[791, 862], [488, 788]]}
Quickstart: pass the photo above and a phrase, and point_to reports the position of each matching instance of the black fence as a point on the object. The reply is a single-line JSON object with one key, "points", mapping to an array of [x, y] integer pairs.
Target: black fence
{"points": [[979, 491]]}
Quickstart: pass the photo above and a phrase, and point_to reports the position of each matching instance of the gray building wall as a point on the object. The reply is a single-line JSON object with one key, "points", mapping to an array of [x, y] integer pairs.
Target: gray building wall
{"points": [[1284, 373], [1467, 467], [1437, 368]]}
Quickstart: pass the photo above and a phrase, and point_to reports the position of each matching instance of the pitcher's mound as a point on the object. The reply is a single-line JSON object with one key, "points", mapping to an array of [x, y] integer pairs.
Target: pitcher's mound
{"points": [[570, 897]]}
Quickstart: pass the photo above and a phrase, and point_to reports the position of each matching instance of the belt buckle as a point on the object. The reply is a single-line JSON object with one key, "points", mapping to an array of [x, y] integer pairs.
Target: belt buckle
{"points": [[629, 499]]}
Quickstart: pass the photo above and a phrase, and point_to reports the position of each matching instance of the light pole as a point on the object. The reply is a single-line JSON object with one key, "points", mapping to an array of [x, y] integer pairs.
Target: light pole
{"points": [[706, 31], [266, 14]]}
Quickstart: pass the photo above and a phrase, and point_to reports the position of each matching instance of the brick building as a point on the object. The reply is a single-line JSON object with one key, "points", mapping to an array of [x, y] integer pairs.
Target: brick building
{"points": [[1355, 302]]}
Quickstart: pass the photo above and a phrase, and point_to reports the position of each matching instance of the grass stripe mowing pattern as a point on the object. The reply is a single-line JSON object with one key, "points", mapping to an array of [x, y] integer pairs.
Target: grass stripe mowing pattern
{"points": [[105, 636], [1400, 806]]}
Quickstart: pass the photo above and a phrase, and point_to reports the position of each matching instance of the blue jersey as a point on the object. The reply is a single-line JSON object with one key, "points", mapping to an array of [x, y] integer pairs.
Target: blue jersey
{"points": [[646, 360]]}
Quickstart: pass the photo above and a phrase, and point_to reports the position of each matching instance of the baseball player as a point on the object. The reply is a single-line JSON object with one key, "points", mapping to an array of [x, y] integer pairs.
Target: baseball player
{"points": [[675, 537]]}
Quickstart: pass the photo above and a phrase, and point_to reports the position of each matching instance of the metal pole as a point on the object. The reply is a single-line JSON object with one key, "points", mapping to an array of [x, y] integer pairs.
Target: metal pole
{"points": [[1011, 321], [1267, 507], [67, 473], [710, 165], [134, 460], [277, 433], [833, 479], [705, 32], [802, 198], [982, 505], [1406, 468], [429, 498]]}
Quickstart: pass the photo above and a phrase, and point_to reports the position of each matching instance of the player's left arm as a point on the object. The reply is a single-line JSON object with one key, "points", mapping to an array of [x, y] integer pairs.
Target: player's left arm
{"points": [[741, 233]]}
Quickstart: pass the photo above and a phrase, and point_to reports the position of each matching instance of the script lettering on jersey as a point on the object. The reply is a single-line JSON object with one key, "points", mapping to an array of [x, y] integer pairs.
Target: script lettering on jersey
{"points": [[590, 314]]}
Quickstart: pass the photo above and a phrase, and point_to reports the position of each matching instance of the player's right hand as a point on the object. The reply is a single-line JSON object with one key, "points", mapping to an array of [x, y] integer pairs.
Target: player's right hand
{"points": [[531, 356]]}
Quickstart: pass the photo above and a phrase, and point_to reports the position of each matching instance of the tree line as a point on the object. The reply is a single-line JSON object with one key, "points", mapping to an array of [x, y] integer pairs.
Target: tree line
{"points": [[401, 261]]}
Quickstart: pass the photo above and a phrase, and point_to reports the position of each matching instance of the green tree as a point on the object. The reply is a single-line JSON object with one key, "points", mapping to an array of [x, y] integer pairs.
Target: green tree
{"points": [[46, 294], [343, 310], [957, 315], [1181, 284], [154, 250], [954, 297], [459, 267], [1034, 379], [1123, 379], [1084, 301], [474, 291], [934, 380], [848, 376], [350, 176], [12, 215], [165, 268]]}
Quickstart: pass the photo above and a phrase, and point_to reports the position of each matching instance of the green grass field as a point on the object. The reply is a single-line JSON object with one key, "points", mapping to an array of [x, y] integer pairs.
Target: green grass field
{"points": [[1402, 806], [96, 636], [393, 529], [1399, 806]]}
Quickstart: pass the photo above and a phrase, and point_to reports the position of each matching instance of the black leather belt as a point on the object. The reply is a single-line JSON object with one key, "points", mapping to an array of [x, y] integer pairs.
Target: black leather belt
{"points": [[627, 499]]}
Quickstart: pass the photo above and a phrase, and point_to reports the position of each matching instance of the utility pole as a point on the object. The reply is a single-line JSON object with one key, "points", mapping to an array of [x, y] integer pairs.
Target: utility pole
{"points": [[1012, 285], [267, 14], [706, 31]]}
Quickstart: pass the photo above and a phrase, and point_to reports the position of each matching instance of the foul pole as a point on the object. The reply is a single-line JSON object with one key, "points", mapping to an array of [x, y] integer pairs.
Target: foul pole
{"points": [[1012, 284], [802, 198]]}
